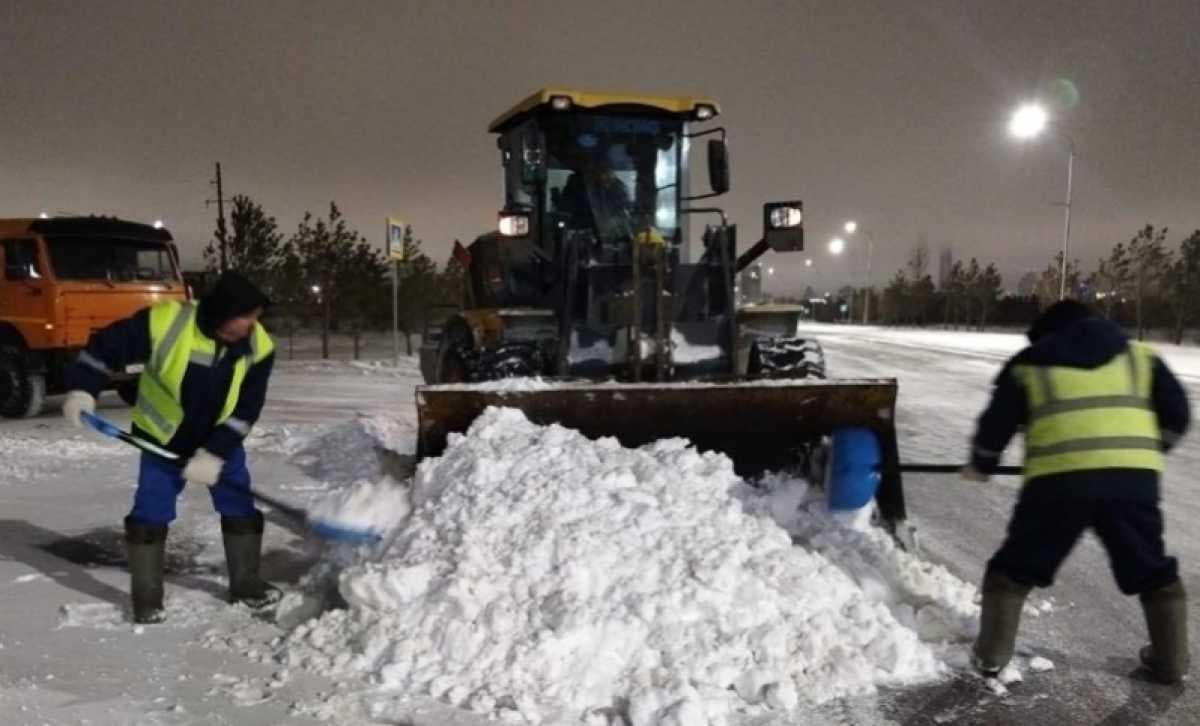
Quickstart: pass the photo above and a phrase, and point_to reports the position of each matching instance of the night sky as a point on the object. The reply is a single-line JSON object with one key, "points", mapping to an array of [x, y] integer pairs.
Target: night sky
{"points": [[891, 113]]}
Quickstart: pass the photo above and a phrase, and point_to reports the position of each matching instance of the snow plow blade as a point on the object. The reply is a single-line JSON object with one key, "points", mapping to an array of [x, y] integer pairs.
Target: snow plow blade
{"points": [[760, 425]]}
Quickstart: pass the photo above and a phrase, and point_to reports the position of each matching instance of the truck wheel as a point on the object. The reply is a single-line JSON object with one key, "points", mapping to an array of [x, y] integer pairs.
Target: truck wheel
{"points": [[22, 392], [128, 391]]}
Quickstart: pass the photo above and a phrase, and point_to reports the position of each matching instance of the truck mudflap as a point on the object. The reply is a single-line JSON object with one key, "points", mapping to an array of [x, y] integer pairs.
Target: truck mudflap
{"points": [[761, 425]]}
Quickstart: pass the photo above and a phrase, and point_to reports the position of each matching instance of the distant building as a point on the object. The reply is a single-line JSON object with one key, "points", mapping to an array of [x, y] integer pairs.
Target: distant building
{"points": [[945, 263]]}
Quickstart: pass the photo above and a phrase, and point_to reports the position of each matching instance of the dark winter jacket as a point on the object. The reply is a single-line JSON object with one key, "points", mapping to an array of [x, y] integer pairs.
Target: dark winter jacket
{"points": [[1085, 342], [126, 342]]}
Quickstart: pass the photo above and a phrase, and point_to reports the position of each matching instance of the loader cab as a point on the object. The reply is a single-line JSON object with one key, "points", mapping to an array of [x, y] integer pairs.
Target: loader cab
{"points": [[593, 234], [598, 168]]}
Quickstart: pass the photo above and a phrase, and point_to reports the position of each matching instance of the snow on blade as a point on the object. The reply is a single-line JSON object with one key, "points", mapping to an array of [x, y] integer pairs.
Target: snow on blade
{"points": [[546, 578]]}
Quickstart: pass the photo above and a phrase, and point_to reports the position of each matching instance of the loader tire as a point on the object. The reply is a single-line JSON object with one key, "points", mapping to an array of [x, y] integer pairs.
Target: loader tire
{"points": [[786, 358], [452, 364], [22, 391]]}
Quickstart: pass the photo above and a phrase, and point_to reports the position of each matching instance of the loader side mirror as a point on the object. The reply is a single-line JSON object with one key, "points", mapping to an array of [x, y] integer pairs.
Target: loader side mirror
{"points": [[718, 166], [533, 156]]}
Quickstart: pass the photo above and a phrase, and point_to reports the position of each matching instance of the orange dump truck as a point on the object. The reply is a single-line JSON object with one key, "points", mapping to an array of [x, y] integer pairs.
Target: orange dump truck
{"points": [[65, 278]]}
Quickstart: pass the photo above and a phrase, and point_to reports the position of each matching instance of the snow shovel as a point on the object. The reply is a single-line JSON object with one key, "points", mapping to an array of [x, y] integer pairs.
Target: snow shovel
{"points": [[954, 469], [323, 529], [111, 430]]}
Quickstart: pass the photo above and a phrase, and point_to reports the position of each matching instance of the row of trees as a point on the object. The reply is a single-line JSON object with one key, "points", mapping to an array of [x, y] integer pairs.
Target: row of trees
{"points": [[1142, 283], [329, 273]]}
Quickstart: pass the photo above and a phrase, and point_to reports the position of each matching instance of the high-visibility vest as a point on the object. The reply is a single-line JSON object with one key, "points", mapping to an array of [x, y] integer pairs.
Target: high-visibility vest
{"points": [[176, 341], [1097, 418]]}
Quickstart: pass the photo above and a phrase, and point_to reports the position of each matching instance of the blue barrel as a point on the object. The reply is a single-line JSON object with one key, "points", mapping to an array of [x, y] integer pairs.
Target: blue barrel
{"points": [[855, 465]]}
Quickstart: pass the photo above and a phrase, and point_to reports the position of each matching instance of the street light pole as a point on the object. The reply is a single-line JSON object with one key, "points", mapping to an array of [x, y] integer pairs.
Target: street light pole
{"points": [[1062, 275], [1029, 121], [867, 289]]}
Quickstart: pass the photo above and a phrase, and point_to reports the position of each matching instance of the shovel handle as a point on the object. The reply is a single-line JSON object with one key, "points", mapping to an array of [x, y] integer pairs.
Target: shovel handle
{"points": [[954, 469]]}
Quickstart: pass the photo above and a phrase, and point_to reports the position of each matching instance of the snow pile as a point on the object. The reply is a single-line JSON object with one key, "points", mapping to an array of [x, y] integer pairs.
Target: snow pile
{"points": [[515, 384], [546, 578], [924, 596], [366, 448], [364, 506]]}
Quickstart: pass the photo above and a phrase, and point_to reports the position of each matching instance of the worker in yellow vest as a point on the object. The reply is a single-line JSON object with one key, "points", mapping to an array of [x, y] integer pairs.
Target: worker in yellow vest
{"points": [[1098, 411], [203, 386]]}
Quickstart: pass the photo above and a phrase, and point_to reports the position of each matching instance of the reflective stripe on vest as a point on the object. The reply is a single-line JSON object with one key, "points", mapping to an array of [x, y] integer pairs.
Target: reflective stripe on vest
{"points": [[176, 342], [1098, 418]]}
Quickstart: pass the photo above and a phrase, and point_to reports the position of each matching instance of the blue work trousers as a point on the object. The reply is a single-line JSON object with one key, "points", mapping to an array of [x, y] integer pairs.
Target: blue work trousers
{"points": [[160, 481]]}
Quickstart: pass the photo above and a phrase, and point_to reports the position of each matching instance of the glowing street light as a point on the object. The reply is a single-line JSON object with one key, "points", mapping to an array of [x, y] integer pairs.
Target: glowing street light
{"points": [[158, 224], [808, 262], [43, 215], [1029, 121], [836, 246], [851, 227], [316, 289]]}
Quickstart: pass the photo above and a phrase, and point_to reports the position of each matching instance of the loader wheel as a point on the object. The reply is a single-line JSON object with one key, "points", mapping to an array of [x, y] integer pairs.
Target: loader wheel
{"points": [[451, 365], [22, 391], [786, 358], [128, 391]]}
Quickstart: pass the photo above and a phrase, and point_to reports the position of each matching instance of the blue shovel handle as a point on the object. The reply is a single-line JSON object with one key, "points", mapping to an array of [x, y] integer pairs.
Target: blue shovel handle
{"points": [[113, 431]]}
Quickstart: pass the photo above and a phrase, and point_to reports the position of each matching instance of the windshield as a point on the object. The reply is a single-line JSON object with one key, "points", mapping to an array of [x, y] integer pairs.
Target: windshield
{"points": [[109, 259], [617, 177]]}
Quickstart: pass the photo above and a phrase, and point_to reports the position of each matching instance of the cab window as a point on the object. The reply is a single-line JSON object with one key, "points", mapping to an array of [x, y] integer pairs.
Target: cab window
{"points": [[21, 260]]}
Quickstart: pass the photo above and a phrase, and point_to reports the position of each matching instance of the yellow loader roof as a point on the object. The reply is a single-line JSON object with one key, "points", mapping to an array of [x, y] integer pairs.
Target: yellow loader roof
{"points": [[683, 105]]}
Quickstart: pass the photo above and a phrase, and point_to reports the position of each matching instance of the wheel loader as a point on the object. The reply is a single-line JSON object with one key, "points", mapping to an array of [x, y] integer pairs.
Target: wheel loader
{"points": [[612, 280]]}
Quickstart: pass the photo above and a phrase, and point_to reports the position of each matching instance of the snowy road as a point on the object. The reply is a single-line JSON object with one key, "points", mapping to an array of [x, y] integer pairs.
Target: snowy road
{"points": [[1094, 632], [68, 657]]}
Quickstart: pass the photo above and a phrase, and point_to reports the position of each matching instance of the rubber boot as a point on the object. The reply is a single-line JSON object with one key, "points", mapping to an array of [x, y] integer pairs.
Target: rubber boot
{"points": [[147, 545], [1166, 619], [243, 546], [1002, 602]]}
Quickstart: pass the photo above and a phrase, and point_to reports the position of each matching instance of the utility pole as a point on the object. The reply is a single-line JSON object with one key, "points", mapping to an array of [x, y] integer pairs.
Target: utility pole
{"points": [[220, 200]]}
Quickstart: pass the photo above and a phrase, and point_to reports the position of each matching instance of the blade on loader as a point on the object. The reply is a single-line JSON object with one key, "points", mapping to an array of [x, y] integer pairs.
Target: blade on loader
{"points": [[760, 425]]}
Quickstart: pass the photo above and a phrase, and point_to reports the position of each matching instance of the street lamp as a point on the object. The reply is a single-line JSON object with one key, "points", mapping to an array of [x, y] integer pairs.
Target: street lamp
{"points": [[1029, 121], [808, 262], [851, 227], [836, 245]]}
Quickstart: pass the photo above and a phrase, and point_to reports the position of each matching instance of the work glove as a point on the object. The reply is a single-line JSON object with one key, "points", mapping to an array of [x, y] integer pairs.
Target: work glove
{"points": [[75, 404], [203, 468], [970, 473]]}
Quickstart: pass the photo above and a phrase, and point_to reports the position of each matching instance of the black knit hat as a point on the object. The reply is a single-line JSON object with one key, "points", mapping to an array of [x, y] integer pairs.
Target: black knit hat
{"points": [[1058, 316], [232, 295]]}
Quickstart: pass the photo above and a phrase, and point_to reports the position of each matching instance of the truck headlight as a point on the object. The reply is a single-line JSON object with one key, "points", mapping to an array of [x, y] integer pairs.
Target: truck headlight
{"points": [[513, 225]]}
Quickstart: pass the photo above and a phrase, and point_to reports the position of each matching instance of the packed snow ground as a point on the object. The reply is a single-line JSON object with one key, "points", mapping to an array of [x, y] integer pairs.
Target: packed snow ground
{"points": [[68, 656]]}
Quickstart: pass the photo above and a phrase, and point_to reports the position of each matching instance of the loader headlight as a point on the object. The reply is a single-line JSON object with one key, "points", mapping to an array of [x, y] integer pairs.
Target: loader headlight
{"points": [[704, 111], [513, 225], [560, 103], [785, 217]]}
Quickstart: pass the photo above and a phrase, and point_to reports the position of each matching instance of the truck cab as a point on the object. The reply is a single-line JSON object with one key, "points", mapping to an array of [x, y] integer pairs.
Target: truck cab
{"points": [[63, 279]]}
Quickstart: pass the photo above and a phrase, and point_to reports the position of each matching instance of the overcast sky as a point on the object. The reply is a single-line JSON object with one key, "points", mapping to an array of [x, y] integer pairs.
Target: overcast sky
{"points": [[889, 112]]}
